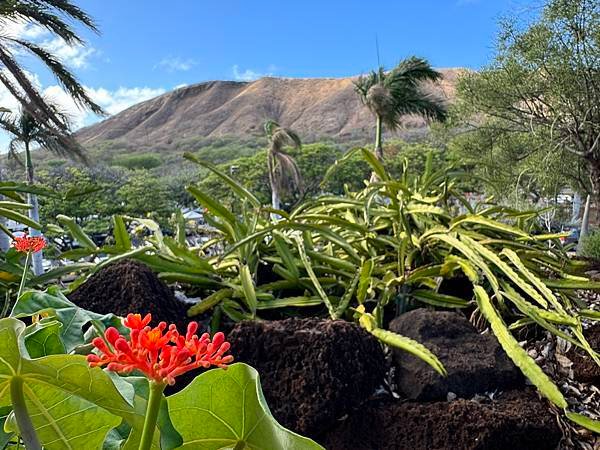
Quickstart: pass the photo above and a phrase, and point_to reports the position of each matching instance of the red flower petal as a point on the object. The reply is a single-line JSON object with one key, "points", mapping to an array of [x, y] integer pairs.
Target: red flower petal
{"points": [[160, 353]]}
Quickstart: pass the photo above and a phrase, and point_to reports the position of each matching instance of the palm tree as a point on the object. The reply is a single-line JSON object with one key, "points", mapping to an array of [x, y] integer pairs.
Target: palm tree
{"points": [[4, 238], [25, 131], [391, 95], [54, 16], [284, 173]]}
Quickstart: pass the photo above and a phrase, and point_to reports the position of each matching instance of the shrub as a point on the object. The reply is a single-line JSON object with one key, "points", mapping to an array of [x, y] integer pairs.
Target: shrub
{"points": [[590, 247]]}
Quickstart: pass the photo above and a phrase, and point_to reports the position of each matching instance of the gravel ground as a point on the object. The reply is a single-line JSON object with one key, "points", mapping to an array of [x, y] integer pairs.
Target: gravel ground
{"points": [[550, 353]]}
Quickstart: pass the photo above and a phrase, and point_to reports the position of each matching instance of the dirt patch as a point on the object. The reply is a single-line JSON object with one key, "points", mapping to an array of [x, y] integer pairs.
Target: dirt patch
{"points": [[313, 371], [584, 367], [516, 421], [129, 286]]}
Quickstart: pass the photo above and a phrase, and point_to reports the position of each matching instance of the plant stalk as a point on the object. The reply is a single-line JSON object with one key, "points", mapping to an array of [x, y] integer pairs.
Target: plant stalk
{"points": [[378, 139], [24, 277], [26, 428], [154, 401]]}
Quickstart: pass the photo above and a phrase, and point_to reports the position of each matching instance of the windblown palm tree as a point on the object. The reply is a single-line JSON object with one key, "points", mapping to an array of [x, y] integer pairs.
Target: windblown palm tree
{"points": [[284, 173], [27, 131], [54, 16], [391, 95]]}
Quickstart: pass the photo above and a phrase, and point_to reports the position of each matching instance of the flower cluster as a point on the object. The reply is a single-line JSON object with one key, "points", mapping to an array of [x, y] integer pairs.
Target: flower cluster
{"points": [[160, 353], [28, 244]]}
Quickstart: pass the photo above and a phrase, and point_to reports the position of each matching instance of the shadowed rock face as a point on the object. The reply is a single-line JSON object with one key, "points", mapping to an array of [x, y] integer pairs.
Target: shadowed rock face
{"points": [[475, 363], [315, 108]]}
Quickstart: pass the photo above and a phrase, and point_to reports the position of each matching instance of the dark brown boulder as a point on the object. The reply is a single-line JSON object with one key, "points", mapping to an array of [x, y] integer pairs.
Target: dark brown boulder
{"points": [[312, 371], [518, 420], [129, 286], [475, 363]]}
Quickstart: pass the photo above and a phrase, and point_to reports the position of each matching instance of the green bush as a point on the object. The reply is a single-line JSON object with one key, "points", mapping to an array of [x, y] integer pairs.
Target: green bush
{"points": [[145, 161], [591, 245]]}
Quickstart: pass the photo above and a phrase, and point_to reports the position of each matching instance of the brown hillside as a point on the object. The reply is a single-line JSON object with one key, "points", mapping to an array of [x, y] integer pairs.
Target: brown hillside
{"points": [[315, 108]]}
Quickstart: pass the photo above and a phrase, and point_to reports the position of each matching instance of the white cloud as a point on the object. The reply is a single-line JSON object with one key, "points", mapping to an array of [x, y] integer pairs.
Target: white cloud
{"points": [[176, 64], [112, 101], [251, 75], [116, 101], [20, 29], [76, 55]]}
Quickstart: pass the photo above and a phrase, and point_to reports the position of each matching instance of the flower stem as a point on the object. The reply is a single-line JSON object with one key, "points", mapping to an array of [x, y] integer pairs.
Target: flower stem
{"points": [[154, 401], [24, 277], [26, 428]]}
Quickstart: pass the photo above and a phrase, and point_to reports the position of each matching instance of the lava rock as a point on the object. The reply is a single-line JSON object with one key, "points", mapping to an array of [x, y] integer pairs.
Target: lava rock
{"points": [[584, 367], [475, 363], [312, 371], [518, 420], [129, 286]]}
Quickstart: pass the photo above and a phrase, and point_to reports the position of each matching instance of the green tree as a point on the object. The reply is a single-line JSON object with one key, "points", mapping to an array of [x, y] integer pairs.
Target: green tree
{"points": [[89, 195], [391, 95], [313, 161], [542, 90], [144, 195], [26, 131], [145, 161], [284, 174]]}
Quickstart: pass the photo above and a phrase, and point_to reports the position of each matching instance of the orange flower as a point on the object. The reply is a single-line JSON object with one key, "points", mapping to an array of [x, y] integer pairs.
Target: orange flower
{"points": [[160, 353], [31, 244]]}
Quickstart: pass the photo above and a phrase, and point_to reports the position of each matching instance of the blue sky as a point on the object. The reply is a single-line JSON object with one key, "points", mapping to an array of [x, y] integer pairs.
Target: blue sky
{"points": [[149, 47], [199, 39]]}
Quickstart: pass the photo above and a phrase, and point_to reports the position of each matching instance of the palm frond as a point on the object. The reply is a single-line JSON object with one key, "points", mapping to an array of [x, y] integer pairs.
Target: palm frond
{"points": [[53, 15], [50, 14], [13, 152], [391, 95], [63, 75], [287, 174]]}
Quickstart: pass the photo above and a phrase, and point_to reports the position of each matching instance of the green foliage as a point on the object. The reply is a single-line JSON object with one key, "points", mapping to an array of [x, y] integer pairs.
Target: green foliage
{"points": [[69, 404], [313, 161], [363, 254], [58, 400], [144, 161], [517, 166], [543, 80], [233, 412], [98, 188], [409, 227], [591, 245], [92, 196], [73, 319], [146, 196]]}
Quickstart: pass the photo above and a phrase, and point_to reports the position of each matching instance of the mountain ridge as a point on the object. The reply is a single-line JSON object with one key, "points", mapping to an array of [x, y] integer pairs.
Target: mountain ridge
{"points": [[316, 108]]}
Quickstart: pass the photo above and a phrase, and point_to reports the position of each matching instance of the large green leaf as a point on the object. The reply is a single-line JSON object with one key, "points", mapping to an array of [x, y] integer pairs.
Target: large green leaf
{"points": [[225, 409], [42, 338], [71, 405], [55, 304], [60, 395]]}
